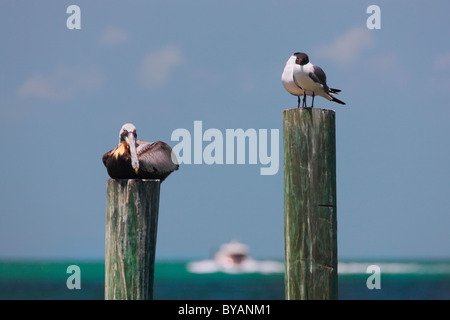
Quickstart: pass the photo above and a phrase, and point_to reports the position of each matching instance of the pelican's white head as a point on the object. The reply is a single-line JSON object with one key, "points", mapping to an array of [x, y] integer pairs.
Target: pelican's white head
{"points": [[128, 135]]}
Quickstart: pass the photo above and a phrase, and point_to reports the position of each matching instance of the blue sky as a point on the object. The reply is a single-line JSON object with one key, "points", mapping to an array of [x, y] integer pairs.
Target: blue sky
{"points": [[64, 94]]}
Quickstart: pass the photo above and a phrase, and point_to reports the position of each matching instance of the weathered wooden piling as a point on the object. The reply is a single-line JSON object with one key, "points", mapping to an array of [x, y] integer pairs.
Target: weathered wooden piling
{"points": [[310, 222], [131, 228]]}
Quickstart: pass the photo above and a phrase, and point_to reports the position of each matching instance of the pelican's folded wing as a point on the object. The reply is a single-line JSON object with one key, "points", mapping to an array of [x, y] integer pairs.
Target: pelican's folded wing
{"points": [[156, 157]]}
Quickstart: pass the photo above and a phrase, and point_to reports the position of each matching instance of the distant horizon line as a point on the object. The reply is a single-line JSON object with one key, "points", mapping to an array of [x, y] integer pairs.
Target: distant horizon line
{"points": [[193, 258]]}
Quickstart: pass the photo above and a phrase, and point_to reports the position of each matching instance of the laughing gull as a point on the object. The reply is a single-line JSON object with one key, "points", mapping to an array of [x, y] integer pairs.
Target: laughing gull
{"points": [[312, 79], [287, 78]]}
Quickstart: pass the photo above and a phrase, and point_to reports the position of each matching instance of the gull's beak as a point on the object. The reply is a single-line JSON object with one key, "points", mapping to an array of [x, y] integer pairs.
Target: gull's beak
{"points": [[131, 141]]}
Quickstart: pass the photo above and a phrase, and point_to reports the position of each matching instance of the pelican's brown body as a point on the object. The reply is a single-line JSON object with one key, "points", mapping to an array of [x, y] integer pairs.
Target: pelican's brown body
{"points": [[156, 160]]}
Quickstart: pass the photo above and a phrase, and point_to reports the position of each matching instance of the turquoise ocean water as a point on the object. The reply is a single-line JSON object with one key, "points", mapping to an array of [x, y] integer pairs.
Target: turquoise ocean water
{"points": [[398, 280]]}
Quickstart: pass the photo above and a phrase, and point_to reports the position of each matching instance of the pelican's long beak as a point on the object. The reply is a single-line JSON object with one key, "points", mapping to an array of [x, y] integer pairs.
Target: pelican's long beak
{"points": [[131, 141]]}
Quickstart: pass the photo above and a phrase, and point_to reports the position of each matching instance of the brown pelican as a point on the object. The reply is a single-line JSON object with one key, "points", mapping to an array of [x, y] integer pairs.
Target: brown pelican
{"points": [[137, 159]]}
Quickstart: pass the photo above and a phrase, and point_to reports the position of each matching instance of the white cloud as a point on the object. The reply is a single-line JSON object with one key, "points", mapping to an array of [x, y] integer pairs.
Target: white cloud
{"points": [[347, 47], [63, 84], [112, 36], [389, 68], [438, 80], [442, 61], [156, 68], [246, 80]]}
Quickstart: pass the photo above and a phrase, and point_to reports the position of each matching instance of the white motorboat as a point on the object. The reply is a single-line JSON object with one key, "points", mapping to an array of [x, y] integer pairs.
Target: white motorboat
{"points": [[234, 257]]}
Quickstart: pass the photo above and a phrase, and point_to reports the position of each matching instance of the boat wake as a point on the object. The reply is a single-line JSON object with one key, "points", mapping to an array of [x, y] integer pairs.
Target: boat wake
{"points": [[249, 266]]}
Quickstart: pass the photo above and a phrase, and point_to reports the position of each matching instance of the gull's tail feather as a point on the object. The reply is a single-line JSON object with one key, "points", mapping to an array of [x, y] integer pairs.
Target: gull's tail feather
{"points": [[332, 90], [337, 100]]}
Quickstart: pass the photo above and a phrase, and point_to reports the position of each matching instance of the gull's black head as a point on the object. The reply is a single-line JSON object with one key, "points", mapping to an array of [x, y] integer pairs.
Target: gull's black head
{"points": [[301, 58]]}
